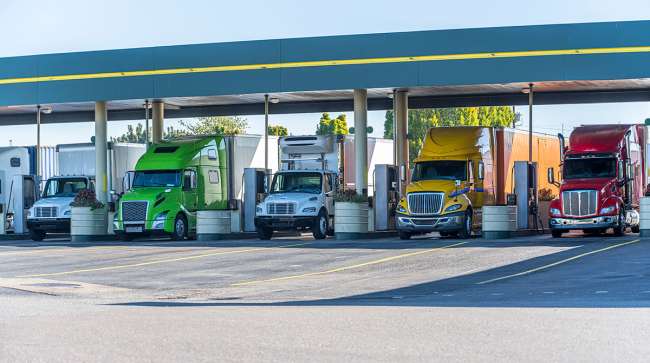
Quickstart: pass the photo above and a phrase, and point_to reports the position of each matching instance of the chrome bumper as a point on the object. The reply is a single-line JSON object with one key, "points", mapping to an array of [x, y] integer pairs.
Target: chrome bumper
{"points": [[583, 223], [451, 222]]}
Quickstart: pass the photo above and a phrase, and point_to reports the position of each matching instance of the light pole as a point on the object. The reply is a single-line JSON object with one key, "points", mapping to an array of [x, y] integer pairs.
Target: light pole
{"points": [[267, 100], [39, 110], [146, 124]]}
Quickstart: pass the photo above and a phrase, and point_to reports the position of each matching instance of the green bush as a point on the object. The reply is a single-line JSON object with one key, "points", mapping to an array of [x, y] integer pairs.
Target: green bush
{"points": [[350, 196]]}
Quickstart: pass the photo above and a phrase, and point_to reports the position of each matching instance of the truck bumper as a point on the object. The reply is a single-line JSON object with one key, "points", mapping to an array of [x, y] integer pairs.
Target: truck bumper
{"points": [[285, 223], [424, 224], [567, 224], [52, 225]]}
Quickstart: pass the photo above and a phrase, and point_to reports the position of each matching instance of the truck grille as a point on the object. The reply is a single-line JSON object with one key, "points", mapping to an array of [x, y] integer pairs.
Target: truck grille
{"points": [[579, 203], [425, 203], [45, 212], [281, 208], [134, 211]]}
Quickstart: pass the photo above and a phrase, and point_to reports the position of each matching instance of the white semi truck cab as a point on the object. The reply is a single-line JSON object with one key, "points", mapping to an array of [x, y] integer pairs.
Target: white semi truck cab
{"points": [[51, 213], [301, 194]]}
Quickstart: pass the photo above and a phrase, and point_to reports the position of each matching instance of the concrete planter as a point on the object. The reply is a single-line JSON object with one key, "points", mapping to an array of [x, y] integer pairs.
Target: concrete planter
{"points": [[88, 225], [213, 224], [499, 221], [645, 217], [350, 220]]}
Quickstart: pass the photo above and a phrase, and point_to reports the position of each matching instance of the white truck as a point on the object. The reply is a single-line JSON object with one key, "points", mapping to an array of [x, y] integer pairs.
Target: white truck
{"points": [[76, 162], [301, 195]]}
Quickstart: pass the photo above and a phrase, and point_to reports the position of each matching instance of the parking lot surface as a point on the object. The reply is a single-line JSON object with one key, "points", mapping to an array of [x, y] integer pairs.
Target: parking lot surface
{"points": [[532, 299]]}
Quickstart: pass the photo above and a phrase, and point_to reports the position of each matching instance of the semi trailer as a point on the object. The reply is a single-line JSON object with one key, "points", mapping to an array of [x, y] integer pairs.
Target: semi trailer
{"points": [[461, 169], [603, 178]]}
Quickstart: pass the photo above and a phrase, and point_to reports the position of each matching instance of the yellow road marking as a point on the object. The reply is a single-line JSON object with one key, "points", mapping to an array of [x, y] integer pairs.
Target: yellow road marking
{"points": [[345, 268], [557, 263], [330, 63], [156, 262]]}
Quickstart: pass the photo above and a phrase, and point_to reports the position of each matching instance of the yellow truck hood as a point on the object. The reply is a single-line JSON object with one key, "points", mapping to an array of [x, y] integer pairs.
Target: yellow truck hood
{"points": [[445, 186]]}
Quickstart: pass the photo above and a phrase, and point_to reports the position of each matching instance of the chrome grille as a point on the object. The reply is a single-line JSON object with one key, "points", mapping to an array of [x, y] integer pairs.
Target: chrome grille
{"points": [[425, 203], [45, 212], [579, 203], [134, 211], [281, 208]]}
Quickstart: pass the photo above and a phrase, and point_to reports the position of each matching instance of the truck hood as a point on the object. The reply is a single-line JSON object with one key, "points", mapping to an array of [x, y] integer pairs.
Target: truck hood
{"points": [[586, 184], [445, 186], [60, 202], [299, 198]]}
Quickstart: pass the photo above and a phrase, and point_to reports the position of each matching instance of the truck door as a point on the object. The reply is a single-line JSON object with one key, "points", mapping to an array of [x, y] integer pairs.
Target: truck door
{"points": [[329, 187], [190, 197]]}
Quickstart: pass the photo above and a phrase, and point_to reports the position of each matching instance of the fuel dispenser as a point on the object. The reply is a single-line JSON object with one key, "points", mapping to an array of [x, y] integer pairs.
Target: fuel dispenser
{"points": [[525, 185], [18, 198], [255, 186], [386, 196]]}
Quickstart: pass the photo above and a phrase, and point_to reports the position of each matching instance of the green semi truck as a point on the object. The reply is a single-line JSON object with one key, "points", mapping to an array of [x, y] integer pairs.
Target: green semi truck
{"points": [[173, 180]]}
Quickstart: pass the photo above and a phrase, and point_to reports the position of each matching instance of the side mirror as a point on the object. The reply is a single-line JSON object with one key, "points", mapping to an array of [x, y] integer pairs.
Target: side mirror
{"points": [[458, 183], [550, 176]]}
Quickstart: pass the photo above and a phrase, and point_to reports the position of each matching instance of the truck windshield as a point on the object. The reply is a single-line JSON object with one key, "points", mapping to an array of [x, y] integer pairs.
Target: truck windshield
{"points": [[440, 170], [157, 178], [589, 168], [64, 187], [297, 183]]}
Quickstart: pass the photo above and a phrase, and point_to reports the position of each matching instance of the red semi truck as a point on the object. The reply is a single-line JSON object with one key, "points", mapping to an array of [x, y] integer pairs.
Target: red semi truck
{"points": [[603, 179]]}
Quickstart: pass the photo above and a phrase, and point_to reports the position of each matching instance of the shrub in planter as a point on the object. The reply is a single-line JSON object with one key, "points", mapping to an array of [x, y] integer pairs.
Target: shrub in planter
{"points": [[545, 195], [349, 196], [87, 198]]}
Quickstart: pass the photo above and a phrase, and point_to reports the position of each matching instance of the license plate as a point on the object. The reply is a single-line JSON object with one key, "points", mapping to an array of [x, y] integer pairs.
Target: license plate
{"points": [[133, 229]]}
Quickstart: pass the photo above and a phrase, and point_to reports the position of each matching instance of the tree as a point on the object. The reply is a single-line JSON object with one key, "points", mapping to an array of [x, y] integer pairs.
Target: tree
{"points": [[421, 120], [278, 130], [329, 126], [202, 126], [216, 125]]}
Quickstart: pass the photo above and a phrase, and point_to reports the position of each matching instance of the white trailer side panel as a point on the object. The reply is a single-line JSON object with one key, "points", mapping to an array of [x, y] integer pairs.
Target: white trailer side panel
{"points": [[249, 153]]}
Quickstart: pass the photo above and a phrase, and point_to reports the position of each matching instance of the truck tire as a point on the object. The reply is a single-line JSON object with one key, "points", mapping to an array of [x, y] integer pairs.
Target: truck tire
{"points": [[264, 233], [404, 235], [180, 228], [320, 226], [37, 235], [636, 229], [619, 230], [466, 232], [556, 234], [125, 237]]}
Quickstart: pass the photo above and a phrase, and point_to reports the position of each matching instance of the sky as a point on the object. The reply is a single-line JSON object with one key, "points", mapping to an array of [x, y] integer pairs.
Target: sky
{"points": [[51, 26]]}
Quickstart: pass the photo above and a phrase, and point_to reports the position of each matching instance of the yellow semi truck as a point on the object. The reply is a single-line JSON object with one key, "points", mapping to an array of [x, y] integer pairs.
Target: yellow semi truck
{"points": [[461, 169]]}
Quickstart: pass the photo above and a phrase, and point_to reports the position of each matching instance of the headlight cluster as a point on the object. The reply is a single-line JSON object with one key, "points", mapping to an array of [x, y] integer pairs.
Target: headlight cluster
{"points": [[453, 207], [258, 210], [554, 211], [309, 210], [68, 212], [608, 210], [400, 209], [159, 221]]}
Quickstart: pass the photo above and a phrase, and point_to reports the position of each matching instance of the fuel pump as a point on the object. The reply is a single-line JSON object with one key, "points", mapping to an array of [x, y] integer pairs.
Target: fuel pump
{"points": [[386, 196], [255, 188]]}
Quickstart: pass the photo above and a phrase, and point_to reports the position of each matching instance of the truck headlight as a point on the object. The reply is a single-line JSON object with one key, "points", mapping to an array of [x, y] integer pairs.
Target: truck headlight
{"points": [[400, 209], [159, 221], [453, 207], [608, 210], [29, 213], [554, 211], [67, 213], [309, 210], [258, 210]]}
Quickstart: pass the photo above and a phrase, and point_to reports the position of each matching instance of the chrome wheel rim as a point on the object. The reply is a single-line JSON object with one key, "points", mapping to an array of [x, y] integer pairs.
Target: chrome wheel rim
{"points": [[323, 224], [468, 225], [180, 227]]}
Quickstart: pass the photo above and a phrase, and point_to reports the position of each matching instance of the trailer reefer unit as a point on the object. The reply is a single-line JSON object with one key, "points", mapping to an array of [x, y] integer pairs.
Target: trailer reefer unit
{"points": [[461, 169], [603, 179]]}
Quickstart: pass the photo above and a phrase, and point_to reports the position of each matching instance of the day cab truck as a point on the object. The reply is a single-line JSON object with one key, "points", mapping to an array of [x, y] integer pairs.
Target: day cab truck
{"points": [[461, 169], [603, 179], [301, 195]]}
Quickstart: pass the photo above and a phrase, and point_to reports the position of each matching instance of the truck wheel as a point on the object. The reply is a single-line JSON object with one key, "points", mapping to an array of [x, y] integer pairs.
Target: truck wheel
{"points": [[444, 234], [556, 233], [636, 229], [180, 228], [619, 230], [36, 235], [321, 225], [264, 233], [404, 235], [466, 232]]}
